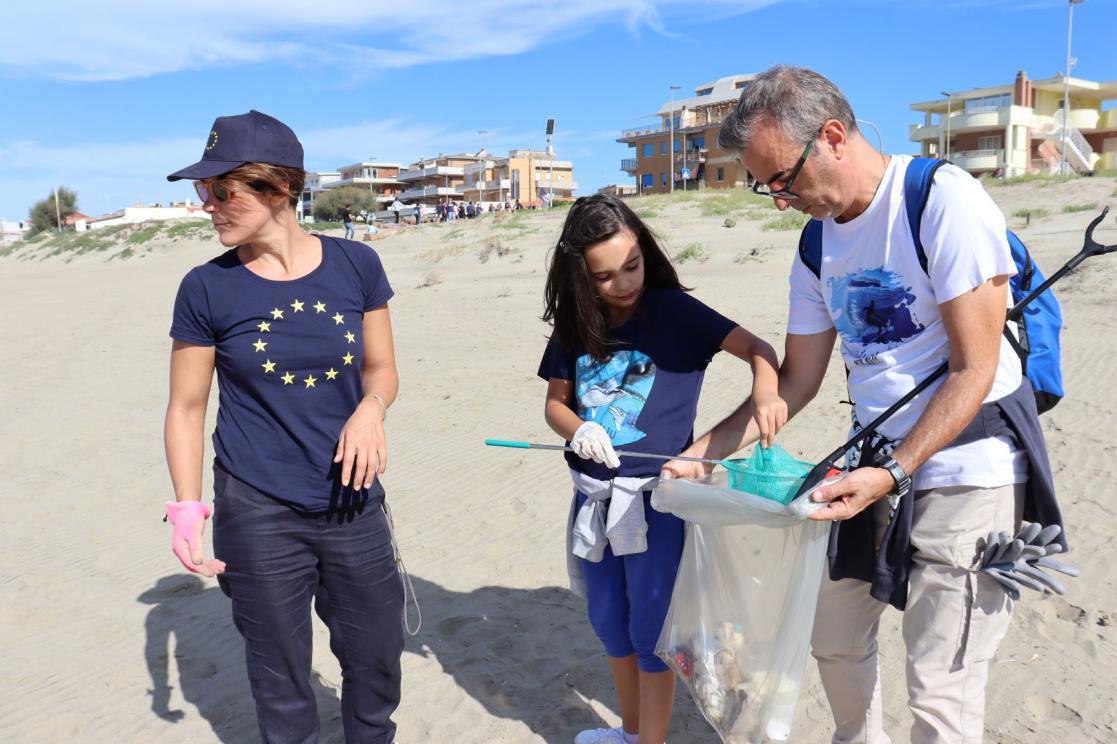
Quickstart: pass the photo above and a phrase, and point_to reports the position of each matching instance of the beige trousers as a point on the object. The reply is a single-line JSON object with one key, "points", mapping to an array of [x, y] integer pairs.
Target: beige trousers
{"points": [[954, 622]]}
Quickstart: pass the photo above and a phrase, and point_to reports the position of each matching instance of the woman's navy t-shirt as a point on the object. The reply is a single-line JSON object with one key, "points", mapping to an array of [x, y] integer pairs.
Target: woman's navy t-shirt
{"points": [[645, 394], [288, 358]]}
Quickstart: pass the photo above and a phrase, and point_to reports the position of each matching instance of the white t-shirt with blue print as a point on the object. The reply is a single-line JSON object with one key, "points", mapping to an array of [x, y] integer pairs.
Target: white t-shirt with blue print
{"points": [[885, 307]]}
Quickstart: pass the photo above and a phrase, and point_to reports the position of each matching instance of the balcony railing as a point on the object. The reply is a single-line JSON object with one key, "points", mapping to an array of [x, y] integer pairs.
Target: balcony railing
{"points": [[640, 131], [628, 165], [438, 170], [425, 191]]}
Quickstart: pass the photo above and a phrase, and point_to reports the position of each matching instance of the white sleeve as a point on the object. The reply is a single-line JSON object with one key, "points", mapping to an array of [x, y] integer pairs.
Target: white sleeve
{"points": [[963, 235], [807, 311]]}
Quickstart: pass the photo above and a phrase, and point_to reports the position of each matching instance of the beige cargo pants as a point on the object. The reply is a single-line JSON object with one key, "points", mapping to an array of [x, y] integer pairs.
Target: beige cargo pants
{"points": [[954, 622]]}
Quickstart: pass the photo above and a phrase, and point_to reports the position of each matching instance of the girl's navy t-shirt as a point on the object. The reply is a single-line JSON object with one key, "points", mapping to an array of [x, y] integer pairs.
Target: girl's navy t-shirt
{"points": [[288, 359], [645, 394]]}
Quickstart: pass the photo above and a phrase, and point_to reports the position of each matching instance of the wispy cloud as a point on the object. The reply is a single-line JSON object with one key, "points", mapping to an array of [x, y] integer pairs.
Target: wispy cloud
{"points": [[108, 175], [122, 39]]}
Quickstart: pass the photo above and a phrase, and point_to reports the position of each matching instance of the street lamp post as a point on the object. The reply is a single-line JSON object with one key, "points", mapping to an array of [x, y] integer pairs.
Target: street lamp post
{"points": [[946, 144], [1066, 87], [550, 165], [682, 128], [671, 147], [481, 162]]}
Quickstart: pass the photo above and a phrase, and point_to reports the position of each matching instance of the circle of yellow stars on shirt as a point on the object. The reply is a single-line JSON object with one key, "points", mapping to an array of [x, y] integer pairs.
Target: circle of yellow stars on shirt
{"points": [[298, 306]]}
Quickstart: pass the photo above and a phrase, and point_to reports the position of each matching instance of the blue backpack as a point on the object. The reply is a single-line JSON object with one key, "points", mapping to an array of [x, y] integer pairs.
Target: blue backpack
{"points": [[1041, 321]]}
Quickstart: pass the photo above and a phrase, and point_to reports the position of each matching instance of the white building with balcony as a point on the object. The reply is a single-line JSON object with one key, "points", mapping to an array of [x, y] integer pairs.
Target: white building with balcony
{"points": [[1014, 129]]}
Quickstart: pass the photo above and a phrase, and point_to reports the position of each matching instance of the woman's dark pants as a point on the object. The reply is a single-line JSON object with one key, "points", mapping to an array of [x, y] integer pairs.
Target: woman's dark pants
{"points": [[279, 559]]}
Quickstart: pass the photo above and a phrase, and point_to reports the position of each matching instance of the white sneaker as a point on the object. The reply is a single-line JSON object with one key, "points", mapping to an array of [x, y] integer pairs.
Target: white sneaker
{"points": [[602, 736]]}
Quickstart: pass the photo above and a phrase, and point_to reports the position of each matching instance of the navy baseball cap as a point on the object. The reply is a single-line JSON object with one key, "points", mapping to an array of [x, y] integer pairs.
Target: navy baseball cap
{"points": [[246, 138]]}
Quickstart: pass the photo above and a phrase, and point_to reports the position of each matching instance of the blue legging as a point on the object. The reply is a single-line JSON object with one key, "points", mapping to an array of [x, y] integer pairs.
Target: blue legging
{"points": [[628, 597]]}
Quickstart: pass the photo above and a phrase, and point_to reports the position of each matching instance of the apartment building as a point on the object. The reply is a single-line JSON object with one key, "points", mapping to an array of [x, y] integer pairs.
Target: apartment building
{"points": [[380, 178], [315, 183], [529, 177], [437, 179], [694, 160], [1014, 129]]}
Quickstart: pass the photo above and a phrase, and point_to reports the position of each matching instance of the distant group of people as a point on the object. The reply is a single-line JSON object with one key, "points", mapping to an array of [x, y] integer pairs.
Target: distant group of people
{"points": [[449, 211]]}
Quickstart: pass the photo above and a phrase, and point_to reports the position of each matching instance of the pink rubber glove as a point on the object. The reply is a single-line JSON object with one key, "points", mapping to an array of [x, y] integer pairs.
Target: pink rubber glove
{"points": [[189, 519]]}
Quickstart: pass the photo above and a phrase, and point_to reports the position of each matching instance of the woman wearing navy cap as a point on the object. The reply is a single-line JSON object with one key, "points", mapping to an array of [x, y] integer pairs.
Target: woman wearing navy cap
{"points": [[297, 328]]}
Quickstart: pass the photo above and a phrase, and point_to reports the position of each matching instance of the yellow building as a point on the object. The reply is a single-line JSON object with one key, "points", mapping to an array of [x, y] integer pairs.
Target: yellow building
{"points": [[1014, 129], [528, 177], [696, 161]]}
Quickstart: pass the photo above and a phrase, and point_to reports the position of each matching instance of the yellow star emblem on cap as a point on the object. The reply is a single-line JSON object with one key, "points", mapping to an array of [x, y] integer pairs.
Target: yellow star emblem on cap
{"points": [[348, 358], [264, 326], [320, 307], [350, 337], [269, 366], [331, 373], [277, 314], [260, 345], [310, 380], [338, 319], [297, 305], [288, 378]]}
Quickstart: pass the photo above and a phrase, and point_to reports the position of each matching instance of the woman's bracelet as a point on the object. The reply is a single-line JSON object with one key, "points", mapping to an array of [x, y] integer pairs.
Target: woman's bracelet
{"points": [[383, 405]]}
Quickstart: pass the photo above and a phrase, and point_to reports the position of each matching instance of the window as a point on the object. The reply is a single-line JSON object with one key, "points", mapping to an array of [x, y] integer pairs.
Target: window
{"points": [[647, 180], [741, 84], [987, 103], [663, 147], [647, 150], [676, 122], [992, 142], [720, 174], [663, 178], [697, 143], [705, 91]]}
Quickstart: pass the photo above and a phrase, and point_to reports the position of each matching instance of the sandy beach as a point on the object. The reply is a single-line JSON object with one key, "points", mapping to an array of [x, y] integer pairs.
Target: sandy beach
{"points": [[107, 639]]}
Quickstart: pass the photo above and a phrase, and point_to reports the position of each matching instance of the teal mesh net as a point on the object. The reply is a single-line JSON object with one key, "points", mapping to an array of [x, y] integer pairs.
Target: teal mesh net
{"points": [[770, 472]]}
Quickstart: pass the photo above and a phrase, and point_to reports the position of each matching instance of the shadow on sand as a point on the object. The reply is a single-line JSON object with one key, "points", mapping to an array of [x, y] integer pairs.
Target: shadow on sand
{"points": [[540, 672]]}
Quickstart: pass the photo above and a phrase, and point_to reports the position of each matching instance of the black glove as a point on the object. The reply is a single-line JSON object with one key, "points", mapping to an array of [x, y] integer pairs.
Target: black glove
{"points": [[1017, 561]]}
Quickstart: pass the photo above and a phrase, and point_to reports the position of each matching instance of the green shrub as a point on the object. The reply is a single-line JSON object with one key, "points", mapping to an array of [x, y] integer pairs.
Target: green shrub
{"points": [[189, 229], [732, 201], [322, 225], [145, 233], [1034, 214], [693, 252], [1084, 207], [1046, 178], [789, 220]]}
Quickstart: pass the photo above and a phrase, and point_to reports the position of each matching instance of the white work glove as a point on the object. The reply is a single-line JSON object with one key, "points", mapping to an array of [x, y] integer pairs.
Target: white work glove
{"points": [[592, 442]]}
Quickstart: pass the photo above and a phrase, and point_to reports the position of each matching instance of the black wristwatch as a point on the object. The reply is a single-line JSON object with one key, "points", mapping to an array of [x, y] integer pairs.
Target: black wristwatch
{"points": [[903, 481]]}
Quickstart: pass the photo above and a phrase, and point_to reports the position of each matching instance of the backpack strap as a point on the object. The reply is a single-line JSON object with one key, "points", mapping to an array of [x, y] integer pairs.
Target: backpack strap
{"points": [[810, 247], [918, 178]]}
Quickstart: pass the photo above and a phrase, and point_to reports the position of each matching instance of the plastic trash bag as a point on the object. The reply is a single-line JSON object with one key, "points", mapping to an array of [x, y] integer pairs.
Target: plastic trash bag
{"points": [[738, 629]]}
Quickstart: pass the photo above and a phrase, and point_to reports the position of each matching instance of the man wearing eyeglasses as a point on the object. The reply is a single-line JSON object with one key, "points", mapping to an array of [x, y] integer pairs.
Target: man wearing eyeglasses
{"points": [[907, 524]]}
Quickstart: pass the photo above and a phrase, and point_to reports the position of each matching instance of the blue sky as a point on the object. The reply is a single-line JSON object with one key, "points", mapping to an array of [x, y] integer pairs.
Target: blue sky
{"points": [[108, 97]]}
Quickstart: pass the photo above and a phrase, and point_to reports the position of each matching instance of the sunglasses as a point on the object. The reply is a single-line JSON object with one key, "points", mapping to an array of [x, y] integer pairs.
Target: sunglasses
{"points": [[220, 190]]}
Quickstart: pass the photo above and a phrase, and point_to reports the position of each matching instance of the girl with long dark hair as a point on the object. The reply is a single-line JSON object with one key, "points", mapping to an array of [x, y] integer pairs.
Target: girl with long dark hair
{"points": [[624, 368]]}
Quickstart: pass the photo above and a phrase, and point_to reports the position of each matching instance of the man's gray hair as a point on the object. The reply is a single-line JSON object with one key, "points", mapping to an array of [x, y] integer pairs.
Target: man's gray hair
{"points": [[796, 99]]}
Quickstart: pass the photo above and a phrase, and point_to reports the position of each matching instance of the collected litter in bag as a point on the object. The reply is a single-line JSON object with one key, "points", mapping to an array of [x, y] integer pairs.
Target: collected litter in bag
{"points": [[738, 629], [771, 472]]}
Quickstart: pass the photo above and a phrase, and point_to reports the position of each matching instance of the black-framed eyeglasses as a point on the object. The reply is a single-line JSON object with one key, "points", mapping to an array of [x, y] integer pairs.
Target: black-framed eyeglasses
{"points": [[785, 192], [221, 191]]}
